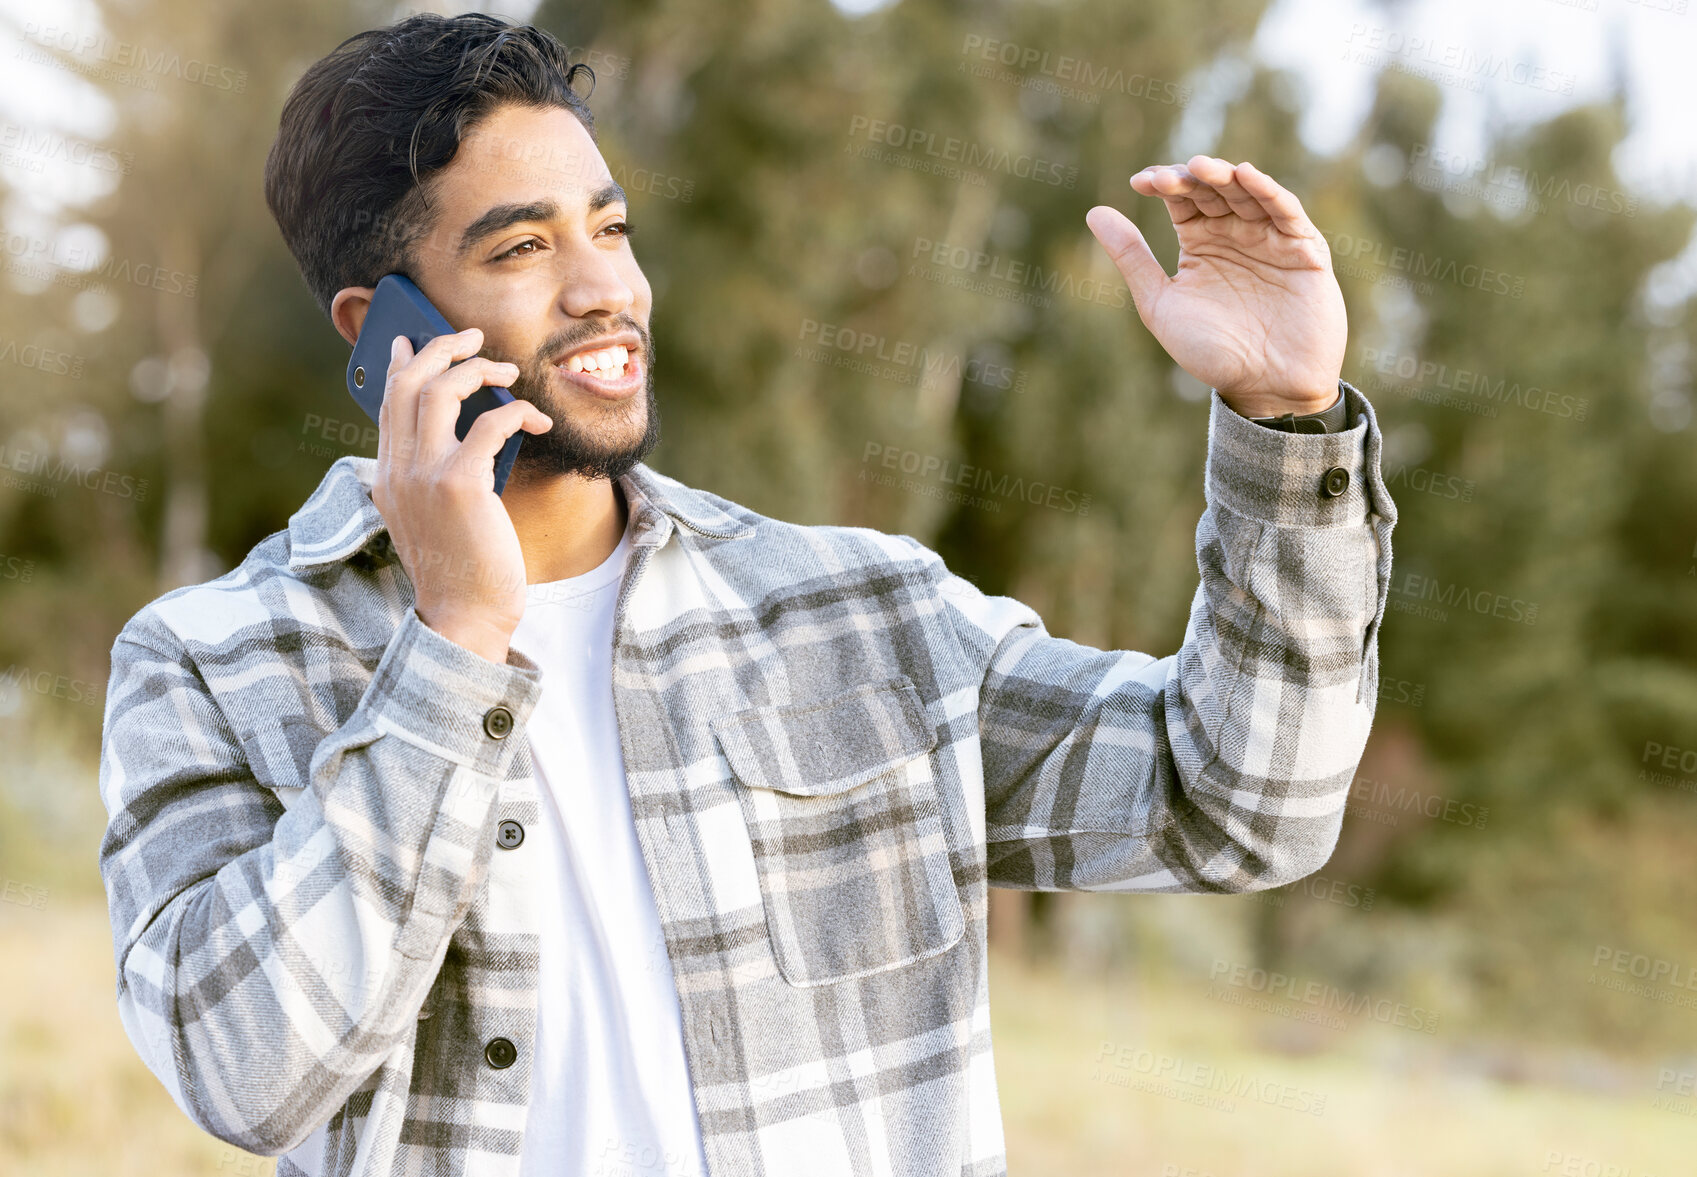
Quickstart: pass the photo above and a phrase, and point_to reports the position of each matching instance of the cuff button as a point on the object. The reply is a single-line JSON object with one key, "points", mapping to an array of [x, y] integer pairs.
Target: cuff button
{"points": [[497, 723], [1335, 482]]}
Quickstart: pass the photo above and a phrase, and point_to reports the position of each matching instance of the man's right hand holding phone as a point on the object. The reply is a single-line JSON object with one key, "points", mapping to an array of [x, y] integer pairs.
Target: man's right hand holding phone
{"points": [[437, 493]]}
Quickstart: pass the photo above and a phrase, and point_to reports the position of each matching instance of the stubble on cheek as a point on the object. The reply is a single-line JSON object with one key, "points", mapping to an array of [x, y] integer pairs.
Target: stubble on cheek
{"points": [[589, 435], [583, 422]]}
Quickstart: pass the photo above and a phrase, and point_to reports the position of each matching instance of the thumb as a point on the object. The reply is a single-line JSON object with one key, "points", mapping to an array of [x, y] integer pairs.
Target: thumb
{"points": [[1130, 254]]}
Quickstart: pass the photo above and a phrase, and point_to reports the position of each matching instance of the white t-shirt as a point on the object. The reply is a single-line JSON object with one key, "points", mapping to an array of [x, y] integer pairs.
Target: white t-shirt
{"points": [[610, 1090]]}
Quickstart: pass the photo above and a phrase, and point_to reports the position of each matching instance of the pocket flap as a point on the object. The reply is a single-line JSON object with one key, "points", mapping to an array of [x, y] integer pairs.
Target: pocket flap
{"points": [[826, 747], [279, 754]]}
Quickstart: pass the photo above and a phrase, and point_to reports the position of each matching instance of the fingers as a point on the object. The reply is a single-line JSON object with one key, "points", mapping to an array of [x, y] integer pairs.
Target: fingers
{"points": [[492, 429], [1280, 204], [1131, 256], [1174, 185], [408, 373], [384, 429], [439, 399], [1186, 191], [1223, 180], [388, 419], [1209, 186]]}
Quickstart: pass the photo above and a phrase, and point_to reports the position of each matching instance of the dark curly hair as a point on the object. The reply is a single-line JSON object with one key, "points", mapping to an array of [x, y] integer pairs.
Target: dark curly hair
{"points": [[368, 125]]}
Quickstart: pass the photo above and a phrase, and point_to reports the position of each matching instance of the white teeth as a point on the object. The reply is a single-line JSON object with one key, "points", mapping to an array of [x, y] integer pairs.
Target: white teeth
{"points": [[608, 363]]}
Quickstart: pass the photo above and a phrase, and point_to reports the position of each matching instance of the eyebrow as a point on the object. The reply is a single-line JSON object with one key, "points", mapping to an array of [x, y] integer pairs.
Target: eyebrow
{"points": [[504, 216]]}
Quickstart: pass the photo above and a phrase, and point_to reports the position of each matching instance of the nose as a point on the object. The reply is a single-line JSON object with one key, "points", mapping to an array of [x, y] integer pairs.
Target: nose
{"points": [[592, 284]]}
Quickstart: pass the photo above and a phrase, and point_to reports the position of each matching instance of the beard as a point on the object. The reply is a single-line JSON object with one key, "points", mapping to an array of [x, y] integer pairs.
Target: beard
{"points": [[590, 438]]}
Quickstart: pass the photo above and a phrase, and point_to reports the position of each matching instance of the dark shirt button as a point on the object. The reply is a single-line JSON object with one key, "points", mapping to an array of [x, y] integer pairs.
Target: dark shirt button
{"points": [[1335, 482], [500, 1053], [497, 722], [509, 835]]}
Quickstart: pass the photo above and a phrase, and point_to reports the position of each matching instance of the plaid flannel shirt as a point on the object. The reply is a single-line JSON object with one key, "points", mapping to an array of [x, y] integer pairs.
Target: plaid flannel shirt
{"points": [[832, 744]]}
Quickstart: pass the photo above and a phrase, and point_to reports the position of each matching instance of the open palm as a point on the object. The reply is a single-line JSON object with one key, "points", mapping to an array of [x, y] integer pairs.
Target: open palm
{"points": [[1254, 309]]}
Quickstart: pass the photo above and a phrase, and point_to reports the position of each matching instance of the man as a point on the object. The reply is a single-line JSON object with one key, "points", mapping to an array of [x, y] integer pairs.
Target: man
{"points": [[608, 826]]}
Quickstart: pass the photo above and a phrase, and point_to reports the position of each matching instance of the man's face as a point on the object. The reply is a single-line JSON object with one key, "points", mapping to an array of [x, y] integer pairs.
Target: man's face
{"points": [[529, 244]]}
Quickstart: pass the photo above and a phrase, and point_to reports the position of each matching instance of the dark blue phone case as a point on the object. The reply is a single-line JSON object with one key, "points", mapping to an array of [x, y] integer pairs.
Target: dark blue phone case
{"points": [[400, 308]]}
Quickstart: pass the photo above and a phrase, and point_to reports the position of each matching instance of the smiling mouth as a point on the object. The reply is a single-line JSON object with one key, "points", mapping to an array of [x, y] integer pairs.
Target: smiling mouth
{"points": [[607, 363], [613, 371]]}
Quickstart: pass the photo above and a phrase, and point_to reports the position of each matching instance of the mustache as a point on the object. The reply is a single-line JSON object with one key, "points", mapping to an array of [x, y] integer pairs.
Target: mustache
{"points": [[579, 334]]}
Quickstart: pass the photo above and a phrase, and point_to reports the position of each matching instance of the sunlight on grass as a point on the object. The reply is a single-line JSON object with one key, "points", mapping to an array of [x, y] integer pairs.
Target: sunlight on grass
{"points": [[1128, 1078], [1096, 1078], [75, 1100]]}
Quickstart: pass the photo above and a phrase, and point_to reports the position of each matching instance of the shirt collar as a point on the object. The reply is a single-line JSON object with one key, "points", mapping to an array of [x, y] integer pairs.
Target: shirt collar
{"points": [[339, 519]]}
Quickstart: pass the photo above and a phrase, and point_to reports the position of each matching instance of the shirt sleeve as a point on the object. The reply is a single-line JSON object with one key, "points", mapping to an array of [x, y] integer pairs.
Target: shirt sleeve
{"points": [[270, 957], [1226, 765]]}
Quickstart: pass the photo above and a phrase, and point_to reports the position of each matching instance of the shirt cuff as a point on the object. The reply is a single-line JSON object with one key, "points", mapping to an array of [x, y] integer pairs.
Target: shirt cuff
{"points": [[439, 695], [1297, 479]]}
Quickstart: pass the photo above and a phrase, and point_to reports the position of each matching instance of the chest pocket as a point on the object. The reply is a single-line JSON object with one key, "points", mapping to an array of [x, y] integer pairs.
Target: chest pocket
{"points": [[847, 831], [280, 755]]}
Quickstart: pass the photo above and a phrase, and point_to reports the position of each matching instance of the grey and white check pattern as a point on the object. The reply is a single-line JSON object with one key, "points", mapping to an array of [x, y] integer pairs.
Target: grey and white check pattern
{"points": [[832, 747]]}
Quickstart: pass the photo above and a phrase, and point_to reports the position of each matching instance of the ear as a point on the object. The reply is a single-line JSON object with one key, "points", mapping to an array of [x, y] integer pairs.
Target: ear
{"points": [[347, 310]]}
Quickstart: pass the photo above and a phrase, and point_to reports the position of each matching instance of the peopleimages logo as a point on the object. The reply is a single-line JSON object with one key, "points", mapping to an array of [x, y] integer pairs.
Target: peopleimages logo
{"points": [[931, 468], [900, 359], [99, 47], [41, 359], [1437, 169], [1202, 1083], [30, 895], [1415, 590], [969, 154], [17, 142], [81, 268], [981, 265], [1449, 62], [16, 568], [1424, 481], [50, 684], [1384, 803], [1064, 68], [1415, 264], [1477, 386], [1338, 891], [1322, 996], [25, 462], [1568, 1164], [1656, 970], [1669, 756]]}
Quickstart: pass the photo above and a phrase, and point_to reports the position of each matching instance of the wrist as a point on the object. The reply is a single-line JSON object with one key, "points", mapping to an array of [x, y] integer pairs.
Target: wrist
{"points": [[480, 636], [1334, 419], [1301, 404]]}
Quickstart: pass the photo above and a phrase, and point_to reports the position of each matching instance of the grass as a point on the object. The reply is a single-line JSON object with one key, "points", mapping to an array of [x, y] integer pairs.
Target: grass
{"points": [[75, 1101], [1390, 1102]]}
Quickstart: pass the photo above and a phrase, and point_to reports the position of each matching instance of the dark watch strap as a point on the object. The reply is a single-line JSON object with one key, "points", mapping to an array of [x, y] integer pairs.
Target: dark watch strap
{"points": [[1333, 419]]}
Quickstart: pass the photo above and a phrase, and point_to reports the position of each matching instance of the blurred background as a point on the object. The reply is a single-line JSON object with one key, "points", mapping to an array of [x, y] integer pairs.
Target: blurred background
{"points": [[864, 225]]}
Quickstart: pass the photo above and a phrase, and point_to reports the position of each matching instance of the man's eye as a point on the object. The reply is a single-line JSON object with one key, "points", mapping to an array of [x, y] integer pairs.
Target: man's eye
{"points": [[514, 251], [625, 228]]}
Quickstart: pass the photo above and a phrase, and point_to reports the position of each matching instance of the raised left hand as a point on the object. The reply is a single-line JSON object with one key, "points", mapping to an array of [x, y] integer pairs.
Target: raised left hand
{"points": [[1254, 309]]}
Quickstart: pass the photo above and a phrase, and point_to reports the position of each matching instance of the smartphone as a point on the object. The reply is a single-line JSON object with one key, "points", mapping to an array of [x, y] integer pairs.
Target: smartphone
{"points": [[400, 308]]}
